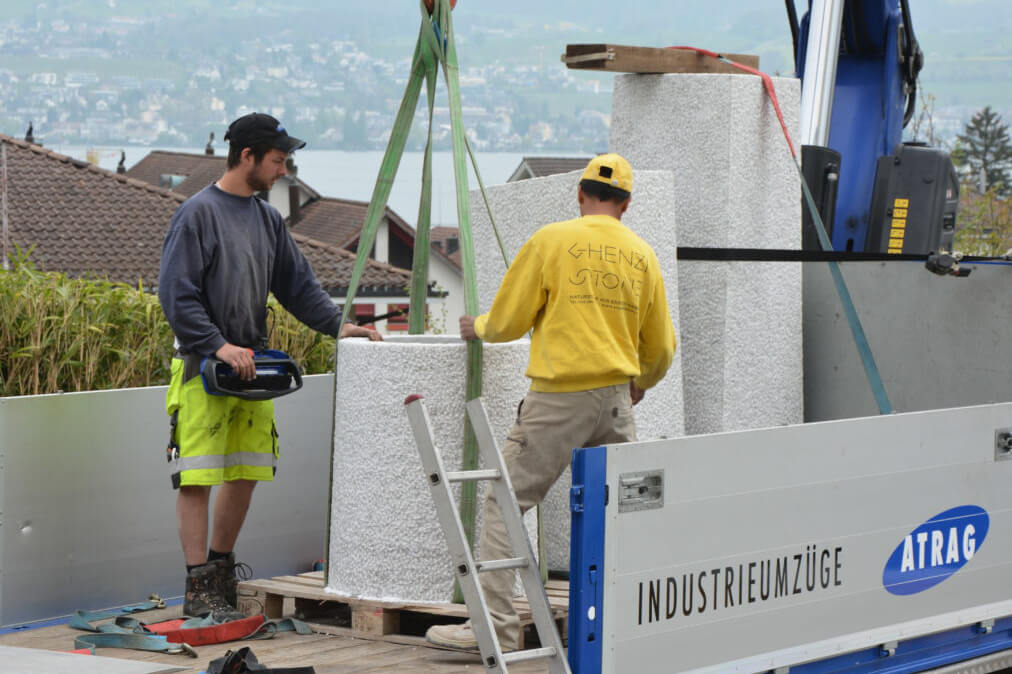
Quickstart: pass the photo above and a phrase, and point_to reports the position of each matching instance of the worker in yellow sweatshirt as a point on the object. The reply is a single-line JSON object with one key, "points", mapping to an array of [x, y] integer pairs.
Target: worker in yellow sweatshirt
{"points": [[592, 291]]}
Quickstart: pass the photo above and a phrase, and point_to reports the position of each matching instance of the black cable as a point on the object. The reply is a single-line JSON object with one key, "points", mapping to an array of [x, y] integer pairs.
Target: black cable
{"points": [[372, 319], [792, 18], [913, 59]]}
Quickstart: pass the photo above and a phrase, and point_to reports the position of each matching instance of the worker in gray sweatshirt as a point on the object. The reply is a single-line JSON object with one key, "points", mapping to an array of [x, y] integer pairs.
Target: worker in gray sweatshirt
{"points": [[226, 249]]}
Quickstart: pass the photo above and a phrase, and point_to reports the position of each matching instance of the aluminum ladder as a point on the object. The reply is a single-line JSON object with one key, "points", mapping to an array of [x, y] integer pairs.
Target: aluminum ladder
{"points": [[464, 564]]}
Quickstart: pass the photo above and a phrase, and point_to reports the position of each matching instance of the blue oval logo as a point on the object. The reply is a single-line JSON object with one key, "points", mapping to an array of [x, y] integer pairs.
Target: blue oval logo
{"points": [[935, 550]]}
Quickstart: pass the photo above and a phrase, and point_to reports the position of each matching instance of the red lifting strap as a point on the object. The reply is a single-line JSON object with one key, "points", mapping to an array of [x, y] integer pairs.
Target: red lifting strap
{"points": [[211, 634], [767, 83]]}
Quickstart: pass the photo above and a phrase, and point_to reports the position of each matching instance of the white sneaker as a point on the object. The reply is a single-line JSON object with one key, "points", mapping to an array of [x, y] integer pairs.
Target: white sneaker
{"points": [[459, 637]]}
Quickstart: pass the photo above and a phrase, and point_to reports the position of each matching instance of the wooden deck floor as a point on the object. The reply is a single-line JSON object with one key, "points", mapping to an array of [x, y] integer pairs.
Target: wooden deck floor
{"points": [[334, 652]]}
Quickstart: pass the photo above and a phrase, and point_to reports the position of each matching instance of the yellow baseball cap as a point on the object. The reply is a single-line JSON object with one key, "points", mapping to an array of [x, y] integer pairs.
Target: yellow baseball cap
{"points": [[610, 169]]}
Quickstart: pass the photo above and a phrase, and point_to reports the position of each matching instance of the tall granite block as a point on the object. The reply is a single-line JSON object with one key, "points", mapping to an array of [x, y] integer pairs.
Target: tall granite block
{"points": [[735, 186], [385, 539], [520, 209]]}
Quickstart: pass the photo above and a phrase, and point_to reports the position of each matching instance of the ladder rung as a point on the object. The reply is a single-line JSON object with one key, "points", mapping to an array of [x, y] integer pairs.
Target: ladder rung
{"points": [[530, 654], [501, 564], [466, 475]]}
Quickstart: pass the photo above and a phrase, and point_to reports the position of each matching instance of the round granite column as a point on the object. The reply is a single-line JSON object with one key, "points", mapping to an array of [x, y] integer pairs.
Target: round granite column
{"points": [[385, 540]]}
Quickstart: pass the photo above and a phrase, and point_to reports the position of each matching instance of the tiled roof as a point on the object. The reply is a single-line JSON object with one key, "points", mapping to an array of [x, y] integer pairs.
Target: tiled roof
{"points": [[539, 167], [439, 236], [339, 222], [200, 169], [83, 220], [89, 222], [336, 222], [333, 267]]}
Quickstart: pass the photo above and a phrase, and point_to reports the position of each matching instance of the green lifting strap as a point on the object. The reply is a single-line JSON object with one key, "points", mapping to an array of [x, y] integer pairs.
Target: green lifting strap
{"points": [[137, 642], [419, 281], [435, 47], [374, 213], [469, 460], [85, 617], [542, 553]]}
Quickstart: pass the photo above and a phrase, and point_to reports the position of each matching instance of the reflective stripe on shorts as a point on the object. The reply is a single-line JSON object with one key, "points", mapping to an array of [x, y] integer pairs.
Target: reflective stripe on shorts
{"points": [[207, 461]]}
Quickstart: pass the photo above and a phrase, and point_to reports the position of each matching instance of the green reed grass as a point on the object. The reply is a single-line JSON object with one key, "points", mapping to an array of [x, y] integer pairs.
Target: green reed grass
{"points": [[63, 334]]}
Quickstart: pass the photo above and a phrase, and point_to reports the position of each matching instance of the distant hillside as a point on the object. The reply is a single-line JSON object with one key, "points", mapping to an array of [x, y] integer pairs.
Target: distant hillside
{"points": [[968, 62]]}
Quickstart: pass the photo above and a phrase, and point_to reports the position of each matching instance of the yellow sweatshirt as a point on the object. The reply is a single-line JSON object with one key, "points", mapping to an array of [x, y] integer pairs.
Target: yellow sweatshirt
{"points": [[592, 290]]}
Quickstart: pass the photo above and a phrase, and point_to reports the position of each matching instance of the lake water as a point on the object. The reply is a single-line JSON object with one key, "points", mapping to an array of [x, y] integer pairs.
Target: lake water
{"points": [[352, 175]]}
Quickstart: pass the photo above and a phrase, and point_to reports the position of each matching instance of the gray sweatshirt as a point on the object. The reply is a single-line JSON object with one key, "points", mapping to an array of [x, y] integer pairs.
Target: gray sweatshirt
{"points": [[222, 255]]}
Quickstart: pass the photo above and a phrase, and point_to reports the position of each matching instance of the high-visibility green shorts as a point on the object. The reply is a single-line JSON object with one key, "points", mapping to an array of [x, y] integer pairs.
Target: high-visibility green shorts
{"points": [[217, 439]]}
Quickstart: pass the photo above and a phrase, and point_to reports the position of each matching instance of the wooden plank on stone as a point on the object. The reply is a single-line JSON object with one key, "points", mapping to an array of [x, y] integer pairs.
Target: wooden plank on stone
{"points": [[618, 58]]}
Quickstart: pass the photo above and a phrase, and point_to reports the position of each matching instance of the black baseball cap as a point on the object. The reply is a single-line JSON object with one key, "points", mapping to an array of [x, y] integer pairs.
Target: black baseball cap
{"points": [[257, 127]]}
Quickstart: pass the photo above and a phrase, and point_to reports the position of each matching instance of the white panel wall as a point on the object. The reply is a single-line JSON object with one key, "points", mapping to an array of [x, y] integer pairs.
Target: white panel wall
{"points": [[87, 510]]}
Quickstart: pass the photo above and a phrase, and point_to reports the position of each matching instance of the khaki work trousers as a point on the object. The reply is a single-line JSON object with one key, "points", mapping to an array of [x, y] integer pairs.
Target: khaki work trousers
{"points": [[537, 451]]}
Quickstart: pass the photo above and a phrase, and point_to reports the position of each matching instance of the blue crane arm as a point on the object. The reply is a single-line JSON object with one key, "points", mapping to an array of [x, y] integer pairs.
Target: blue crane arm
{"points": [[873, 97]]}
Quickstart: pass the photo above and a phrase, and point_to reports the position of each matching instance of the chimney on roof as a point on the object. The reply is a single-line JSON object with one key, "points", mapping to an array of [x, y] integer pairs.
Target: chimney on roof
{"points": [[293, 204], [121, 166], [290, 166], [29, 135], [209, 148], [452, 244]]}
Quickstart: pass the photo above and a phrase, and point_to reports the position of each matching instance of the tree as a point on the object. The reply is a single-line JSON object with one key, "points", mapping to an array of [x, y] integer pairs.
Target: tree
{"points": [[922, 126], [984, 152], [984, 223]]}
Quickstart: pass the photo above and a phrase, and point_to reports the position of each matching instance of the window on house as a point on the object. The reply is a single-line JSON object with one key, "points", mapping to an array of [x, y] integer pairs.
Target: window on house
{"points": [[363, 311], [170, 181]]}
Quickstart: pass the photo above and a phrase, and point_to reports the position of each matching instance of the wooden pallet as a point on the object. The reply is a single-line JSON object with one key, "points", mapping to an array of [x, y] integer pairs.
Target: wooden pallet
{"points": [[368, 617]]}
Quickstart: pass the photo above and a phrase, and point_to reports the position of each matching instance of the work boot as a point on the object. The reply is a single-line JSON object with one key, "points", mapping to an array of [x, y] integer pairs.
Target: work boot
{"points": [[204, 596], [461, 637], [229, 576]]}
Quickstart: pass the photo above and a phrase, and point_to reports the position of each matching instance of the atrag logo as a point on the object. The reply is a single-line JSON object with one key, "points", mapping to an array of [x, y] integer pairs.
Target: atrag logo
{"points": [[935, 550]]}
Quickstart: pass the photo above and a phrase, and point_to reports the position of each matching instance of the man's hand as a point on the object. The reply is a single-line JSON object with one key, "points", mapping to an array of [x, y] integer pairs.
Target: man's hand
{"points": [[635, 392], [467, 328], [239, 359], [352, 330]]}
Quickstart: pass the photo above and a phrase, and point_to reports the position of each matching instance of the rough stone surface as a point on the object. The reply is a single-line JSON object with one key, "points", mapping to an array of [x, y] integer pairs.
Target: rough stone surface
{"points": [[520, 209], [385, 539], [709, 156], [735, 186]]}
